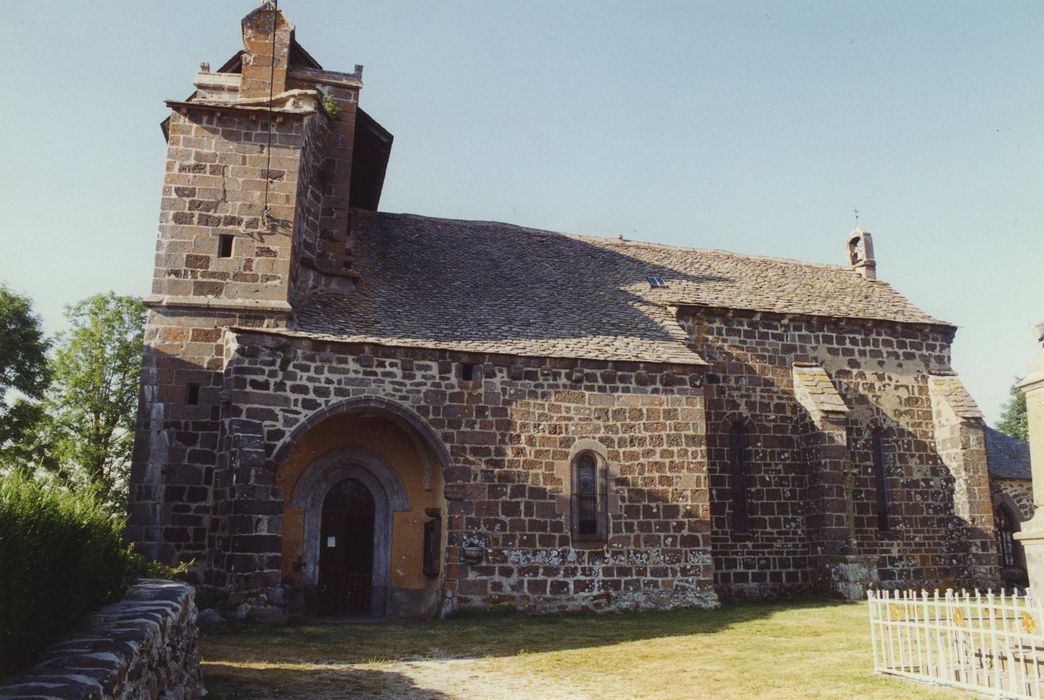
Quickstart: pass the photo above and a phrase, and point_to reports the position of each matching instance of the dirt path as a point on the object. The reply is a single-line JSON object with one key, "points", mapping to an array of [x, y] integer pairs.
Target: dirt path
{"points": [[439, 679], [468, 679]]}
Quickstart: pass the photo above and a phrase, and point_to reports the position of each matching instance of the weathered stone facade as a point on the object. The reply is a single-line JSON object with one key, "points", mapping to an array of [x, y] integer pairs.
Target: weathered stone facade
{"points": [[881, 373], [530, 419], [144, 646], [509, 437]]}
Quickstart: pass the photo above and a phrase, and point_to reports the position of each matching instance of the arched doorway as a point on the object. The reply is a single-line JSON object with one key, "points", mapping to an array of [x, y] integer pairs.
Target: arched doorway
{"points": [[346, 550], [1012, 557], [395, 456], [335, 480]]}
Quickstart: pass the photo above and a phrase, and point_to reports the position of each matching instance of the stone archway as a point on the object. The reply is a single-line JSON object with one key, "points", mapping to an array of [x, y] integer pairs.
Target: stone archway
{"points": [[318, 479], [1007, 521], [418, 429]]}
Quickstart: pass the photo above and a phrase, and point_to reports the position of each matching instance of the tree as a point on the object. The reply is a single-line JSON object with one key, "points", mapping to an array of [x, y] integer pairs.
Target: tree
{"points": [[29, 445], [23, 366], [92, 403], [1013, 416], [23, 347]]}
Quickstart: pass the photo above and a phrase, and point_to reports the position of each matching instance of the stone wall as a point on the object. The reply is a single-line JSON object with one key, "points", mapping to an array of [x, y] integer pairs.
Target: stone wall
{"points": [[175, 450], [144, 646], [219, 169], [881, 371], [507, 438]]}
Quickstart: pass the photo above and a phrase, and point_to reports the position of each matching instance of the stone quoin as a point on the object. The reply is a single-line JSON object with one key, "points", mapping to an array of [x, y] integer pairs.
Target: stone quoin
{"points": [[345, 411]]}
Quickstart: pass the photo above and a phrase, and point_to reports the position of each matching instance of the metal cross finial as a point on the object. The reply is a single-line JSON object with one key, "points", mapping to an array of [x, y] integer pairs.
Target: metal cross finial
{"points": [[856, 212]]}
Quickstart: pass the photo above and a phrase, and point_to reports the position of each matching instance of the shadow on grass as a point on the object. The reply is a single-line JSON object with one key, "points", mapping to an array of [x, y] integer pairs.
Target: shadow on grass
{"points": [[228, 682], [476, 635]]}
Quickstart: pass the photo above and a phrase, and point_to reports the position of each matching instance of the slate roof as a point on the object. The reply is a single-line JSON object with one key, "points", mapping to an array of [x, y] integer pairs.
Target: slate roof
{"points": [[491, 287], [1007, 457]]}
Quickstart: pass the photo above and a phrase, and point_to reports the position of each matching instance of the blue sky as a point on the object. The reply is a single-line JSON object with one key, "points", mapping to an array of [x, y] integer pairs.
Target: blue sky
{"points": [[747, 126]]}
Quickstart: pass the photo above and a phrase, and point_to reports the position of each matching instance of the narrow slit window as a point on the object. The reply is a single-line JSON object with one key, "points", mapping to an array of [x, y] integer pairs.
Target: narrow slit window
{"points": [[877, 450], [192, 394], [739, 465], [590, 518], [587, 495], [225, 245], [1005, 524]]}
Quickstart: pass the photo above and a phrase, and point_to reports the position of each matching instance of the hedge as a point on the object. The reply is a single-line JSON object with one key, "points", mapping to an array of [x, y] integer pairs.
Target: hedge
{"points": [[61, 555]]}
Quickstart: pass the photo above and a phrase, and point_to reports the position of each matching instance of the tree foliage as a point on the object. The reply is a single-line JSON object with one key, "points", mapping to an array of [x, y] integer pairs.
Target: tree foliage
{"points": [[23, 348], [1013, 416], [23, 375], [63, 554], [93, 399], [27, 439]]}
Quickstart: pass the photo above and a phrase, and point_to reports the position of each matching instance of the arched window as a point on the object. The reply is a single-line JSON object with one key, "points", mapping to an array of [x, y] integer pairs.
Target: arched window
{"points": [[739, 463], [1005, 525], [877, 453], [590, 520]]}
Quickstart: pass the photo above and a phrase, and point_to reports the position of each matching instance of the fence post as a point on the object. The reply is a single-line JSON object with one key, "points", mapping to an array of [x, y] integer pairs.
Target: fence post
{"points": [[991, 612], [929, 666], [940, 637], [873, 627]]}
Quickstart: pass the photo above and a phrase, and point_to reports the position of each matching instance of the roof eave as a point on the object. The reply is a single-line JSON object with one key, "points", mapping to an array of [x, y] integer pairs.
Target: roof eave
{"points": [[697, 362], [930, 323]]}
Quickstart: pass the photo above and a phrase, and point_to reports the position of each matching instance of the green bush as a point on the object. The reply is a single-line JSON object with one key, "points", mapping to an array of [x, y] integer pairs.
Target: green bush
{"points": [[61, 555]]}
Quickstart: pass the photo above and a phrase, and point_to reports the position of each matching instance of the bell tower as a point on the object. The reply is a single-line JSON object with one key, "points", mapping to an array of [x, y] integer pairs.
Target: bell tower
{"points": [[861, 253], [254, 218]]}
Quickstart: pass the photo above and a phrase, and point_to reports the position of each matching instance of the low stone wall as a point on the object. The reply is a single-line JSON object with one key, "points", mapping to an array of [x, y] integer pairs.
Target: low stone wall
{"points": [[144, 646]]}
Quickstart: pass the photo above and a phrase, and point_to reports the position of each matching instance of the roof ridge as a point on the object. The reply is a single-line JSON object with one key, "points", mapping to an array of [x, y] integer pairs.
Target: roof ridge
{"points": [[631, 243]]}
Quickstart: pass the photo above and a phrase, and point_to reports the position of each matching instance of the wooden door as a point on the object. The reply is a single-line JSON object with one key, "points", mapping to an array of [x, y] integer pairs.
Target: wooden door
{"points": [[346, 550]]}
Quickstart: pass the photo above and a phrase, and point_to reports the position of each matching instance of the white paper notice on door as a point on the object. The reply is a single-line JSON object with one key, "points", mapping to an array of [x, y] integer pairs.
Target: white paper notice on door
{"points": [[331, 541]]}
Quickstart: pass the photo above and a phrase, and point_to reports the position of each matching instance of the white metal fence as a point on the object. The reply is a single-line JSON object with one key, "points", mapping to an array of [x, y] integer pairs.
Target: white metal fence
{"points": [[992, 643]]}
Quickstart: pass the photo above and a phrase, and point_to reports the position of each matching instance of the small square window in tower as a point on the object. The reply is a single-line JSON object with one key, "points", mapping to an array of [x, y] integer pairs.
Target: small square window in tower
{"points": [[225, 245]]}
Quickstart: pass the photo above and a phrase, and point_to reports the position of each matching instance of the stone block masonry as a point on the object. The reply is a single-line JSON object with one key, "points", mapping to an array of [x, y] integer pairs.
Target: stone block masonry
{"points": [[938, 530], [254, 205], [509, 436], [143, 647]]}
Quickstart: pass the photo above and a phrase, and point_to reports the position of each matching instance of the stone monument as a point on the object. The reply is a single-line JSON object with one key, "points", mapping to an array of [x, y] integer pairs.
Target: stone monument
{"points": [[1032, 535]]}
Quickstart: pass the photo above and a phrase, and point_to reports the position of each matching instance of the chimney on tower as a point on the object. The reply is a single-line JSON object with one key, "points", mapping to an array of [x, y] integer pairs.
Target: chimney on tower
{"points": [[267, 36]]}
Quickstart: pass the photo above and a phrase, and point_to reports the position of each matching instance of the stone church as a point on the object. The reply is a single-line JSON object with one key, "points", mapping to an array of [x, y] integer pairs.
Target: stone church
{"points": [[346, 411]]}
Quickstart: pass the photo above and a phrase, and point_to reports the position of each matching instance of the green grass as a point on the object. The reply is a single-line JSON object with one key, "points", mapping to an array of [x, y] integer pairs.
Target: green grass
{"points": [[811, 649]]}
